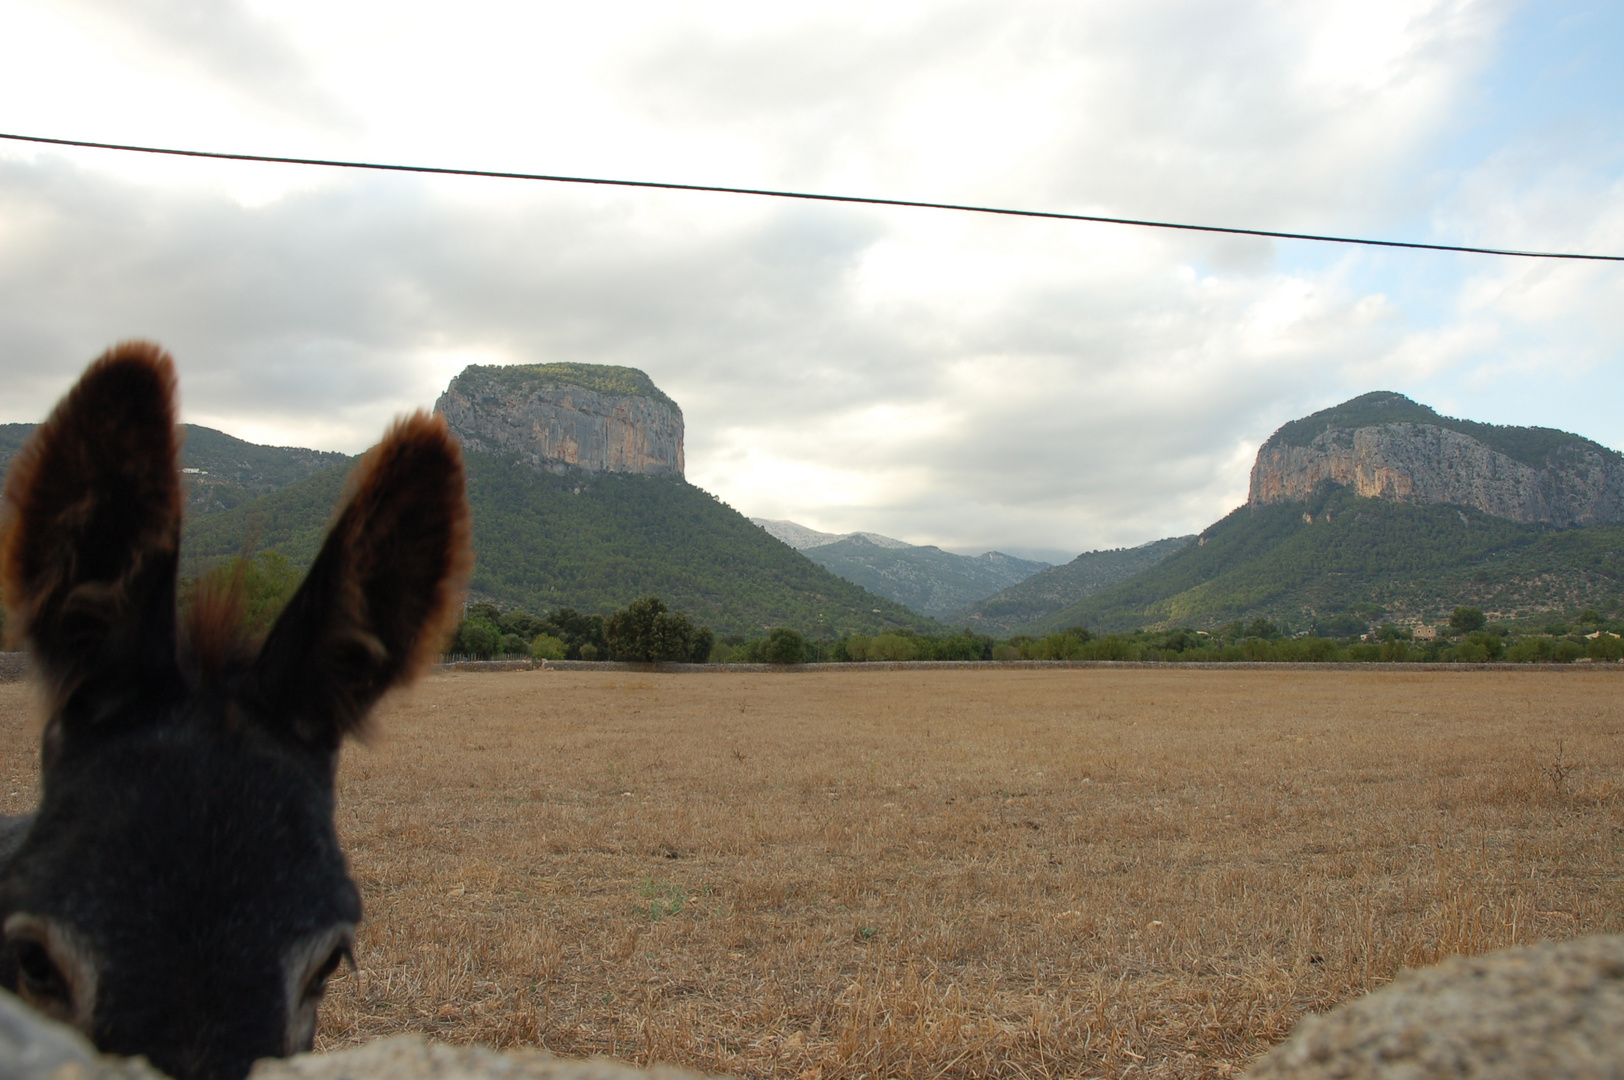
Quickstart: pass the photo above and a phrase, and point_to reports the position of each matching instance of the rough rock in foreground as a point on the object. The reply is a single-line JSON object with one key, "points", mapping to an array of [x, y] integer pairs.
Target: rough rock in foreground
{"points": [[34, 1048], [1554, 1011], [412, 1057]]}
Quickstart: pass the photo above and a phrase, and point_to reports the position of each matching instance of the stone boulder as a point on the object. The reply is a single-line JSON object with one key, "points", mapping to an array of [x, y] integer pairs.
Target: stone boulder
{"points": [[1553, 1011]]}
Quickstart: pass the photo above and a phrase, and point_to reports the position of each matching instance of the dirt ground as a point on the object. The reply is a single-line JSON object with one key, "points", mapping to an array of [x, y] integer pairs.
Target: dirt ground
{"points": [[954, 873]]}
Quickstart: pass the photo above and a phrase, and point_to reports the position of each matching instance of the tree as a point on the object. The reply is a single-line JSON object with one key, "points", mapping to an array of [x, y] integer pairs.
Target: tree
{"points": [[1467, 619], [704, 641], [784, 646], [477, 637], [1262, 628], [578, 632], [646, 630]]}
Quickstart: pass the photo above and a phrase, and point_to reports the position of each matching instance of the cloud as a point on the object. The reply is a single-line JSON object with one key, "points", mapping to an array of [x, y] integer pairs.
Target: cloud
{"points": [[971, 382], [224, 45]]}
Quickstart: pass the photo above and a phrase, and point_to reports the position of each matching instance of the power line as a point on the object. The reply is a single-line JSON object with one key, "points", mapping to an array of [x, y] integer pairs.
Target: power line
{"points": [[433, 170]]}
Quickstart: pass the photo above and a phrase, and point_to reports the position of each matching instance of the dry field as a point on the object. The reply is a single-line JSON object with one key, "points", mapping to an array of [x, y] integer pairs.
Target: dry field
{"points": [[956, 873]]}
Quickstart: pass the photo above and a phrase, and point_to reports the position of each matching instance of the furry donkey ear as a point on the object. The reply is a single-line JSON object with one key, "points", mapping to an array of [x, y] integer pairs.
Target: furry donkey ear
{"points": [[381, 595], [91, 538]]}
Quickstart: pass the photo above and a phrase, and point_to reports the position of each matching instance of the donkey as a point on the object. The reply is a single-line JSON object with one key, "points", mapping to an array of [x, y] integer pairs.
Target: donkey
{"points": [[180, 892]]}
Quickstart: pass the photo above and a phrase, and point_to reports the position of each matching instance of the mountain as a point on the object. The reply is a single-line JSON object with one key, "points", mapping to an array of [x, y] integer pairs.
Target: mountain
{"points": [[221, 471], [1383, 445], [801, 538], [1382, 510], [926, 579], [1052, 590], [1340, 562], [558, 417], [575, 486]]}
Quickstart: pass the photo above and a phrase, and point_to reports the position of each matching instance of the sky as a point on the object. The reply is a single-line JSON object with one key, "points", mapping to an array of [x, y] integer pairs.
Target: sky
{"points": [[1037, 387]]}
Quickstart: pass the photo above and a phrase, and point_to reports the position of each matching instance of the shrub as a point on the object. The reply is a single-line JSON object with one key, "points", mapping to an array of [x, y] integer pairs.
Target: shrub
{"points": [[783, 646], [1605, 647], [1066, 645], [892, 647], [547, 647], [1531, 650]]}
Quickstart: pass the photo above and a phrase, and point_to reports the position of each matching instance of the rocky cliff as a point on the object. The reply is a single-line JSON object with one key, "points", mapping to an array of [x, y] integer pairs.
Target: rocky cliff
{"points": [[560, 416], [1386, 446]]}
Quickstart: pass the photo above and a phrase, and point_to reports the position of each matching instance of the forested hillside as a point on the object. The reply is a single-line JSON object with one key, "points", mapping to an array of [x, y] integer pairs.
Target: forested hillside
{"points": [[1340, 562], [925, 578], [1051, 590], [222, 471], [593, 543]]}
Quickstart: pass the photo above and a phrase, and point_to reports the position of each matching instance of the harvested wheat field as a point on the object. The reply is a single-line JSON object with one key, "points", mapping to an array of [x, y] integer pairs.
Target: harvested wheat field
{"points": [[969, 873]]}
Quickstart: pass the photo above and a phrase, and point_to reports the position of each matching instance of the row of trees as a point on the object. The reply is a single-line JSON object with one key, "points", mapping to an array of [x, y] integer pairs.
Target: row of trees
{"points": [[643, 630]]}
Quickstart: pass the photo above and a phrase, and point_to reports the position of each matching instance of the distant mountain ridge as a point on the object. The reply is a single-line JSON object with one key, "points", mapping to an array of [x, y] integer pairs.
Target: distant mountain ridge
{"points": [[1383, 445], [801, 538], [926, 579], [923, 577], [1043, 595]]}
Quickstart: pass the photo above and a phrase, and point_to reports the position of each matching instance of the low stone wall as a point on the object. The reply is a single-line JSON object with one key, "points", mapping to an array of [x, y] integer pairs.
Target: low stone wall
{"points": [[1004, 665], [1553, 1011]]}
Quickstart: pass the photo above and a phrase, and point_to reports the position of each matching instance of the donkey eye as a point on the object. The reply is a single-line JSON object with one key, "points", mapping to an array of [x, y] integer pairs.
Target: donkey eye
{"points": [[316, 985], [40, 976]]}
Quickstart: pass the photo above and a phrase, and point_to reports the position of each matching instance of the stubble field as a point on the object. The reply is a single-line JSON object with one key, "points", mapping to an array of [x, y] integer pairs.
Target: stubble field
{"points": [[956, 873]]}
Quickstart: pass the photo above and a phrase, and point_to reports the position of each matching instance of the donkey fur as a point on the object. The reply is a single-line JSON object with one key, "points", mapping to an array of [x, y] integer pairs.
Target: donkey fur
{"points": [[180, 891]]}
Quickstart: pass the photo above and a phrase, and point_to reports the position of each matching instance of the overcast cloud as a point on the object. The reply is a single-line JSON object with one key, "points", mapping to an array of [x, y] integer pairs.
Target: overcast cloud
{"points": [[947, 379]]}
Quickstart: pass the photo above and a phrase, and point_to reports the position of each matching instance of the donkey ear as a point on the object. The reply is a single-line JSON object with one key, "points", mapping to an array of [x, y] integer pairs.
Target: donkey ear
{"points": [[381, 595], [91, 537]]}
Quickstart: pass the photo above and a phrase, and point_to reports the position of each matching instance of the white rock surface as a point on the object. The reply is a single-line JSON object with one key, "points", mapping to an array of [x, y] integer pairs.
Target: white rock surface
{"points": [[1553, 1011], [412, 1057], [1424, 463]]}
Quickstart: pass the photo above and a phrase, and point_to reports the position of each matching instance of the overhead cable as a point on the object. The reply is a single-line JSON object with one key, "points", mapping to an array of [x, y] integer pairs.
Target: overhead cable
{"points": [[436, 170]]}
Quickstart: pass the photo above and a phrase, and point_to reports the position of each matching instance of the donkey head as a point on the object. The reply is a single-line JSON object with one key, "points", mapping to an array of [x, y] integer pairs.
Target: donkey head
{"points": [[181, 892]]}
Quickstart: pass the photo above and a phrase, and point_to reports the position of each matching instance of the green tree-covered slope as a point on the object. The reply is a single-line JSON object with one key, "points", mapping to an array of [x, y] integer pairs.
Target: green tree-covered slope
{"points": [[593, 542], [221, 471], [925, 578], [1049, 591], [1338, 555]]}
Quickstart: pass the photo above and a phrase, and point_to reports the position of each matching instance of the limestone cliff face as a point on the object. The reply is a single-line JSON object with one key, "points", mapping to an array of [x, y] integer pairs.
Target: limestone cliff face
{"points": [[560, 416], [1578, 483]]}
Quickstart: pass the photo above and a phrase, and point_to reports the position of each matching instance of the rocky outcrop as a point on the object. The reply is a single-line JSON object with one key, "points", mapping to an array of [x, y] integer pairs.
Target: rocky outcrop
{"points": [[562, 416], [35, 1048], [1579, 483], [1554, 1011]]}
